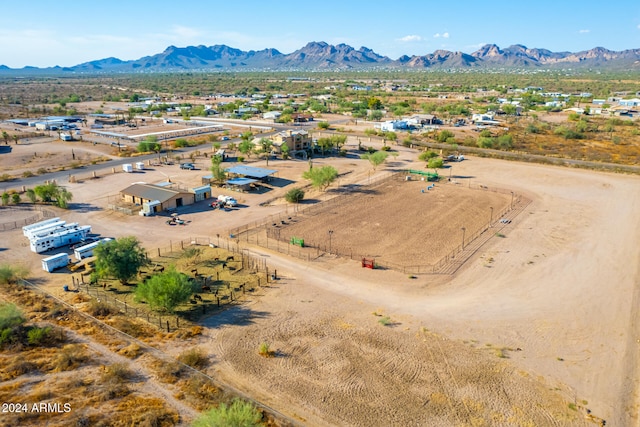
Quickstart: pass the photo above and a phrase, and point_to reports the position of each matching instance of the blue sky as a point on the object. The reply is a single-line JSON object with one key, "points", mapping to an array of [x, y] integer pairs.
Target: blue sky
{"points": [[63, 32]]}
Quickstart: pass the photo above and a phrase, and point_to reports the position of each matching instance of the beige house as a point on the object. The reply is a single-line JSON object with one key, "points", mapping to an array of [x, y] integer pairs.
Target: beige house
{"points": [[298, 141]]}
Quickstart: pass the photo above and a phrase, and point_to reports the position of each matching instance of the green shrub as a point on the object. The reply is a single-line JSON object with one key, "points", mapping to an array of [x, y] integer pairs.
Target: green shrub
{"points": [[10, 316], [385, 321], [435, 163], [37, 336], [295, 195], [265, 349], [426, 155], [238, 414], [6, 336]]}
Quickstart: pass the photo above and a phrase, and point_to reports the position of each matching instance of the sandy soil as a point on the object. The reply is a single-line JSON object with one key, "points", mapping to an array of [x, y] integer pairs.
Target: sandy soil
{"points": [[561, 287]]}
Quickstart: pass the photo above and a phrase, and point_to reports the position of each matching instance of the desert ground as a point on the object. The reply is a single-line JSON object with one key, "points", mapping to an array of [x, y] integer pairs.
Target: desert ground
{"points": [[535, 324]]}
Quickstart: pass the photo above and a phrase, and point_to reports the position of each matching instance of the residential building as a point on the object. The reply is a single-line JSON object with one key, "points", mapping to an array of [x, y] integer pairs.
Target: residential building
{"points": [[635, 102], [393, 125], [272, 115], [298, 142]]}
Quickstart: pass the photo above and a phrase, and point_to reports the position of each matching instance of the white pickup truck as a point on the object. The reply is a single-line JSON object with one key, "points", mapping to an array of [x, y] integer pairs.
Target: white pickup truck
{"points": [[228, 200]]}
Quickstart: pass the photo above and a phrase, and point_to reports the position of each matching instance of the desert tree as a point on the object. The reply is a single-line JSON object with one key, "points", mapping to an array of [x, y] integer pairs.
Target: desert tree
{"points": [[376, 159], [52, 193], [120, 258], [246, 147], [322, 177], [165, 291], [266, 144], [219, 174]]}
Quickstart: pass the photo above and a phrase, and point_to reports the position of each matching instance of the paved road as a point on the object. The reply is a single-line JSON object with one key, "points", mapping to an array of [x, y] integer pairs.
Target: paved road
{"points": [[63, 176]]}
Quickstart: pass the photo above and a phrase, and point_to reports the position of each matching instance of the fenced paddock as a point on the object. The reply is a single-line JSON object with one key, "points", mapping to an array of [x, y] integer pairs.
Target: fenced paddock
{"points": [[12, 217], [223, 273], [398, 222]]}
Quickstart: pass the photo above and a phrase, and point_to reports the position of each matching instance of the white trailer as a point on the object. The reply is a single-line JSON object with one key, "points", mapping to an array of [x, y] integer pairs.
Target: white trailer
{"points": [[62, 238], [127, 167], [87, 250], [54, 230], [35, 225], [140, 166], [55, 261], [46, 229]]}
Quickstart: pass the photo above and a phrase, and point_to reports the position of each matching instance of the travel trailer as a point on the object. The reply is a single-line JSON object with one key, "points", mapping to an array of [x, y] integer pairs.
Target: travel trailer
{"points": [[87, 250], [66, 236], [46, 229], [55, 261], [35, 225]]}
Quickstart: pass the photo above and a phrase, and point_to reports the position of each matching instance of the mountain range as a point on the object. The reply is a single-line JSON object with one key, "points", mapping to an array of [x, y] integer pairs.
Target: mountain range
{"points": [[320, 56]]}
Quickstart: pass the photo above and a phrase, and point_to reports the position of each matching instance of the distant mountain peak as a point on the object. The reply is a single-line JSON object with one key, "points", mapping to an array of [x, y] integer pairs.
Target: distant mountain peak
{"points": [[320, 55]]}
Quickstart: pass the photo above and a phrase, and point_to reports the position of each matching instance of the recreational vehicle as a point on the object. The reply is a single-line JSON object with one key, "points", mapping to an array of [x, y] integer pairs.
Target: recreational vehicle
{"points": [[55, 261], [87, 250], [61, 238], [46, 229], [53, 230], [35, 225]]}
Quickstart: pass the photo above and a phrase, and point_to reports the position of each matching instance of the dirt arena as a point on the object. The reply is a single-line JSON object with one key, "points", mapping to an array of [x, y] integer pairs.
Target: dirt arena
{"points": [[400, 222]]}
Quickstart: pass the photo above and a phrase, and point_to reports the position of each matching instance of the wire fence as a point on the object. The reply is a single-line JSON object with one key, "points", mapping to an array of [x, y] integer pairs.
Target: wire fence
{"points": [[40, 214], [267, 232]]}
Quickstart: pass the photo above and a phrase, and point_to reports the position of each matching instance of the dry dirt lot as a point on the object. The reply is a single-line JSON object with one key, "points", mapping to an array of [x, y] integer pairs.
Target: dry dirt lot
{"points": [[547, 325]]}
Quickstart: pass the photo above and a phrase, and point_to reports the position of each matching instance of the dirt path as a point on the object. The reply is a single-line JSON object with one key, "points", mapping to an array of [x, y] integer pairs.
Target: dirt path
{"points": [[142, 375]]}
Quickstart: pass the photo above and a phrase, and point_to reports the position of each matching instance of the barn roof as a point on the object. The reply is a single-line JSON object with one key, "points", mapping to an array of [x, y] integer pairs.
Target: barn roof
{"points": [[150, 192]]}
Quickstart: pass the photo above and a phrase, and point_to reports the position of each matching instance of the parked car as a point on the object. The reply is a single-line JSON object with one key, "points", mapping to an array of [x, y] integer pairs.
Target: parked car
{"points": [[188, 166]]}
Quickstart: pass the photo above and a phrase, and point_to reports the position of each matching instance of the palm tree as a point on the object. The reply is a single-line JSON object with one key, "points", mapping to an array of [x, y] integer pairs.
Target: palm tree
{"points": [[5, 136]]}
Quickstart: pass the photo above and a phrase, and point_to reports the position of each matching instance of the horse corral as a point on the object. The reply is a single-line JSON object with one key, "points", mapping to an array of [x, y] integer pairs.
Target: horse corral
{"points": [[398, 223]]}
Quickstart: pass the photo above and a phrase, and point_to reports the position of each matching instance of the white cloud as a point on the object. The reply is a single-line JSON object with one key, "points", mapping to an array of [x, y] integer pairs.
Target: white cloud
{"points": [[584, 31], [410, 38], [443, 35], [186, 32]]}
